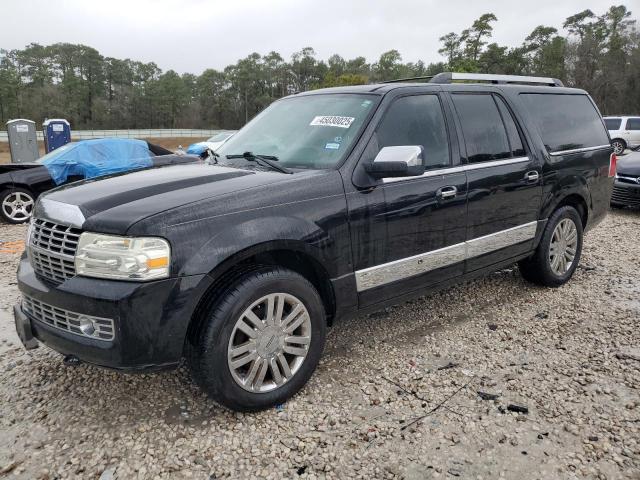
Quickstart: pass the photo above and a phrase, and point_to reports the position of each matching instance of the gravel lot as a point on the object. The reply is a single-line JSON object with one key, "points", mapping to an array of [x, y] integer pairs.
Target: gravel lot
{"points": [[396, 395]]}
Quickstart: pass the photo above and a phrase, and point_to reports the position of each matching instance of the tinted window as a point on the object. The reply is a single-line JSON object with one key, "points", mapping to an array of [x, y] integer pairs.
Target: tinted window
{"points": [[566, 121], [613, 123], [484, 133], [417, 120], [515, 140], [633, 124]]}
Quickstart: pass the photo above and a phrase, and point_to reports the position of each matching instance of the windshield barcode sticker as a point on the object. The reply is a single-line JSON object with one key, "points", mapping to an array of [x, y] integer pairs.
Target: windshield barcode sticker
{"points": [[332, 121]]}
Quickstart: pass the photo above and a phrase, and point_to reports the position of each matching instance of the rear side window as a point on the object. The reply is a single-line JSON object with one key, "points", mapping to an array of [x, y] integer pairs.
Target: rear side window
{"points": [[417, 120], [633, 124], [484, 133], [566, 122], [613, 123], [515, 141]]}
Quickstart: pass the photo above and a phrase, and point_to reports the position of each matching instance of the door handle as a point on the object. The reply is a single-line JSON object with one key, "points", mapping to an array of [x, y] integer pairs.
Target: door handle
{"points": [[446, 193], [532, 176]]}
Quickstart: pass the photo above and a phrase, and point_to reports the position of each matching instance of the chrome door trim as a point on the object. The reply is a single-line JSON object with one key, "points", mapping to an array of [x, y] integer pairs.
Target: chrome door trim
{"points": [[410, 266], [579, 150], [504, 238], [461, 168], [425, 262]]}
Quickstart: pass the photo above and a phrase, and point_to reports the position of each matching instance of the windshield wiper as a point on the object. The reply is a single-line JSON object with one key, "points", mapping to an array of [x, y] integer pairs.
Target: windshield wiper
{"points": [[263, 160]]}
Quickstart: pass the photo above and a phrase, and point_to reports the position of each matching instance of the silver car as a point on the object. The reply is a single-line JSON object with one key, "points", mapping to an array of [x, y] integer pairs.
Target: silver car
{"points": [[624, 132]]}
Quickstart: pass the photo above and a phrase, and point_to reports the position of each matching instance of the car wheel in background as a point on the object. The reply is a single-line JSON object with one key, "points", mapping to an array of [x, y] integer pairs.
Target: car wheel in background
{"points": [[261, 341], [619, 146], [16, 205], [558, 252]]}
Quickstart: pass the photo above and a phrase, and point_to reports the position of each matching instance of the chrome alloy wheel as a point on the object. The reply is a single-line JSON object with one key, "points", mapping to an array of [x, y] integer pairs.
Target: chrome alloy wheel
{"points": [[564, 244], [17, 206], [618, 147], [269, 342]]}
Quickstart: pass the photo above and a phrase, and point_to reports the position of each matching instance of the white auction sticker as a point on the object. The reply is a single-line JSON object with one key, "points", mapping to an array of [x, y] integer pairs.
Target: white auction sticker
{"points": [[332, 121]]}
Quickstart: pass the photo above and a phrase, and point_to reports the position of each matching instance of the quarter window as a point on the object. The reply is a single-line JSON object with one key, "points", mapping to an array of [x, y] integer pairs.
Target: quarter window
{"points": [[633, 124], [566, 121], [417, 120], [484, 133]]}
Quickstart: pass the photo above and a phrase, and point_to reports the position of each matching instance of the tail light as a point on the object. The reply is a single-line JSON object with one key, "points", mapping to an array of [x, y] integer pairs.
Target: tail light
{"points": [[613, 160]]}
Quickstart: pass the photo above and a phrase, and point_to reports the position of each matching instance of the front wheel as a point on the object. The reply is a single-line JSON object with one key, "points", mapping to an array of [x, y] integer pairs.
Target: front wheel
{"points": [[16, 205], [261, 341], [558, 253]]}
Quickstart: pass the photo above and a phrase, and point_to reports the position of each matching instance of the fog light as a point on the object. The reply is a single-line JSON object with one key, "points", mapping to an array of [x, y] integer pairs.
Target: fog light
{"points": [[88, 326]]}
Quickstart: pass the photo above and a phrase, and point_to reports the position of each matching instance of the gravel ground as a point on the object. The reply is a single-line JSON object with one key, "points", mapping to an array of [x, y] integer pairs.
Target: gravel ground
{"points": [[396, 395]]}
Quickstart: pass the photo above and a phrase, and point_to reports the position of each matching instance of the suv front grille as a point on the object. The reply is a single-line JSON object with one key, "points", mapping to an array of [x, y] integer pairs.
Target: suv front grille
{"points": [[101, 328], [52, 248]]}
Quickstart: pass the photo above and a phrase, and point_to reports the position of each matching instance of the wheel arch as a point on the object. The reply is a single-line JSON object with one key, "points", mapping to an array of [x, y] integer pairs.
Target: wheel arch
{"points": [[291, 254]]}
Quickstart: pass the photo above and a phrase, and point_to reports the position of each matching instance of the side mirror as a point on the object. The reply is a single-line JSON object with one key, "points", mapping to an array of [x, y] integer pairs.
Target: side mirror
{"points": [[398, 161]]}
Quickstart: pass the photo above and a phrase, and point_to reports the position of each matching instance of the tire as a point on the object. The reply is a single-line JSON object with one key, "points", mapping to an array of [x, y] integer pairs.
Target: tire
{"points": [[16, 205], [619, 146], [223, 335], [540, 267]]}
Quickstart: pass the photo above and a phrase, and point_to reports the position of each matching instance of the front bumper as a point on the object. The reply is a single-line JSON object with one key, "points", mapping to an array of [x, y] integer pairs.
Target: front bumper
{"points": [[625, 194], [150, 319]]}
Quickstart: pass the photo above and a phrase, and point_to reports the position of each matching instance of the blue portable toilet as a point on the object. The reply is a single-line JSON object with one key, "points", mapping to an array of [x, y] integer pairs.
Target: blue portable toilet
{"points": [[56, 132]]}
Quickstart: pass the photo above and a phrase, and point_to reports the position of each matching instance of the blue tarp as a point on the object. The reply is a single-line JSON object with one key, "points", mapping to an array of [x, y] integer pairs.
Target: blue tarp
{"points": [[95, 158]]}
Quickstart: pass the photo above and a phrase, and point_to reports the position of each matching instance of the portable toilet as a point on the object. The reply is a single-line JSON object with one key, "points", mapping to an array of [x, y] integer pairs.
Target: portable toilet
{"points": [[56, 132], [23, 142]]}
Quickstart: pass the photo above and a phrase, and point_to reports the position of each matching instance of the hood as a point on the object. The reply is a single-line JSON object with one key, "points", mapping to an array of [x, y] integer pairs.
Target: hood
{"points": [[112, 204], [13, 167], [629, 164]]}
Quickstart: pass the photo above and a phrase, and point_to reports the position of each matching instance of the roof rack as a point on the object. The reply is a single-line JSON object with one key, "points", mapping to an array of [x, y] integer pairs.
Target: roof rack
{"points": [[450, 77], [409, 79]]}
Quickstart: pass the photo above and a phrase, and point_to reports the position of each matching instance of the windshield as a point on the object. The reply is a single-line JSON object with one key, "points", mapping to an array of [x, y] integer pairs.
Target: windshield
{"points": [[219, 137], [58, 151], [309, 131]]}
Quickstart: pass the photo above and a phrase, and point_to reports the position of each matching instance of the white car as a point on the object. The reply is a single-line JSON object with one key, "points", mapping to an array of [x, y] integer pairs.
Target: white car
{"points": [[212, 143], [624, 132]]}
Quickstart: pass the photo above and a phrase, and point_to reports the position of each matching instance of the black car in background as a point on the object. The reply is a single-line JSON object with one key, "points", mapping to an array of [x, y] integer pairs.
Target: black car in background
{"points": [[22, 183], [328, 204], [626, 189]]}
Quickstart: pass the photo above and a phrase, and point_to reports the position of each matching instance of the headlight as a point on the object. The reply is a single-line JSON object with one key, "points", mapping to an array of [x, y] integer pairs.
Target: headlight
{"points": [[122, 258]]}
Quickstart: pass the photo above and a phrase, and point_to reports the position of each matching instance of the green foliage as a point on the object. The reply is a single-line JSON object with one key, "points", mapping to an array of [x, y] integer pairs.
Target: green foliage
{"points": [[598, 53]]}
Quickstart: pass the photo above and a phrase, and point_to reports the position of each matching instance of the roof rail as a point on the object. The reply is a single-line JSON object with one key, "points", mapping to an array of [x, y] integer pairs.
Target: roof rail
{"points": [[450, 77], [409, 79]]}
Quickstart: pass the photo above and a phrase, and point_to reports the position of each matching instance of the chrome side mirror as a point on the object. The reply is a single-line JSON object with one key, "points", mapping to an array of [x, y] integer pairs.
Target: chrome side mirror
{"points": [[397, 161]]}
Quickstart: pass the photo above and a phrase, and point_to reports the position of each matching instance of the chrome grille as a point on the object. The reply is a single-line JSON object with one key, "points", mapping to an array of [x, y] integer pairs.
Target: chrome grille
{"points": [[52, 248], [67, 320]]}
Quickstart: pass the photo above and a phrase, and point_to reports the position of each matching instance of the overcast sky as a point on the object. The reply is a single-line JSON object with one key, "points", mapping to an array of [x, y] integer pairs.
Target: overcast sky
{"points": [[191, 35]]}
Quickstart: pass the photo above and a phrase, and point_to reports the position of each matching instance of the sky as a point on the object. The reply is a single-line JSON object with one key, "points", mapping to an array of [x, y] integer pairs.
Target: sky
{"points": [[192, 35]]}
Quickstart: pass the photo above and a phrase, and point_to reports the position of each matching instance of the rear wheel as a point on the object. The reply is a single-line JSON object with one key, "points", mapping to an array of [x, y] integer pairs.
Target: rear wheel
{"points": [[261, 342], [558, 252], [619, 146], [16, 205]]}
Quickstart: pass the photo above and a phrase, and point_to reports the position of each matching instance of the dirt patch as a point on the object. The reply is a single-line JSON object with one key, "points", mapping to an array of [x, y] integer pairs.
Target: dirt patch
{"points": [[395, 396]]}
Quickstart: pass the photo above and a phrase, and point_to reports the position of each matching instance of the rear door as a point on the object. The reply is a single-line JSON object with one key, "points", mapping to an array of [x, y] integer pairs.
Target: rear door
{"points": [[412, 233], [633, 131], [504, 181]]}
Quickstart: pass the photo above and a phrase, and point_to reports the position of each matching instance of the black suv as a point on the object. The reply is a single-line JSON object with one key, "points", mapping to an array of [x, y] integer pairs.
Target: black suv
{"points": [[327, 204]]}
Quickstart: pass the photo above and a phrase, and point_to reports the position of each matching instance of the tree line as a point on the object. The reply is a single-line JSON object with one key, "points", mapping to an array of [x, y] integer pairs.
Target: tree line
{"points": [[600, 53]]}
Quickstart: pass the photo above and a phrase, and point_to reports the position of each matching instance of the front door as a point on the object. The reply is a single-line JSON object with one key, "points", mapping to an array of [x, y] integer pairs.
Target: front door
{"points": [[504, 181], [408, 233]]}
